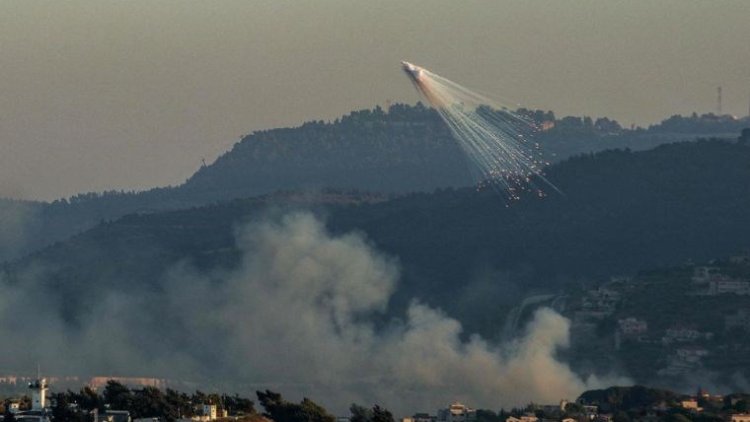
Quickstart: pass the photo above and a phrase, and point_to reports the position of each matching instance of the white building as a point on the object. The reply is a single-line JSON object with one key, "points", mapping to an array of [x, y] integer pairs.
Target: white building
{"points": [[456, 412], [209, 412], [740, 417], [39, 390]]}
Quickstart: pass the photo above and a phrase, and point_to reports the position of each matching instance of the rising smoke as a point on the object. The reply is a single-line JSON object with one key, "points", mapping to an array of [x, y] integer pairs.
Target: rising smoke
{"points": [[16, 226], [298, 316]]}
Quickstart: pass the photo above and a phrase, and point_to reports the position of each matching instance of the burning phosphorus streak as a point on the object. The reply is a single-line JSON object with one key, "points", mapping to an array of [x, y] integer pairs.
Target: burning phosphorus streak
{"points": [[494, 139]]}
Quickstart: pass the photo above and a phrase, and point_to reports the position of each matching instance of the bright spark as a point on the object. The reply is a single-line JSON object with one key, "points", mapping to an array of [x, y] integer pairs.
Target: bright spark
{"points": [[494, 139]]}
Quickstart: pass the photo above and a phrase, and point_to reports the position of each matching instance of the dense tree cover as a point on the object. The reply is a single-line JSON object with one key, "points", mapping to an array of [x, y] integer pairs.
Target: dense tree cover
{"points": [[359, 413], [667, 298], [615, 399], [708, 123], [375, 414], [281, 410], [402, 149], [486, 415], [621, 211], [637, 402], [146, 402]]}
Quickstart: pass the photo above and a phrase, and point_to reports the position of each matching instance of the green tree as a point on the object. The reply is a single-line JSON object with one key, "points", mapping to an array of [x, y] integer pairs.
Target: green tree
{"points": [[118, 396], [741, 406], [88, 399], [360, 413], [237, 405], [621, 416], [63, 409], [573, 409], [313, 412], [281, 410], [149, 402], [677, 417], [485, 415], [380, 414], [179, 402]]}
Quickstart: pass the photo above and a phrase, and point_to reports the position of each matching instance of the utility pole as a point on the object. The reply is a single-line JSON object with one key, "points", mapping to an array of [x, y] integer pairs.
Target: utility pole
{"points": [[718, 100]]}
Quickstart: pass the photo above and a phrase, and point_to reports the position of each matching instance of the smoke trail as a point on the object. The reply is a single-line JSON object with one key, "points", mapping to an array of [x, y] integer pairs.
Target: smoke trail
{"points": [[298, 315], [16, 225], [494, 139]]}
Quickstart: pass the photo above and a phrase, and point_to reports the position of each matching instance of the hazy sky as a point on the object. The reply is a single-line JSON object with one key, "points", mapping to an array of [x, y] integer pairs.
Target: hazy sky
{"points": [[132, 94]]}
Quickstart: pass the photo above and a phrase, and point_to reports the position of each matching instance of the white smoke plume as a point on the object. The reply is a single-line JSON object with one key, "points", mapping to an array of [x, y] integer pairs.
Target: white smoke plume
{"points": [[16, 218], [304, 315]]}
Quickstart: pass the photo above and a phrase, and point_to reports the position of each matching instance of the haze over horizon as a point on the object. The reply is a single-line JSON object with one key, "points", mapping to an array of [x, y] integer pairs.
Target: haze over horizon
{"points": [[131, 95]]}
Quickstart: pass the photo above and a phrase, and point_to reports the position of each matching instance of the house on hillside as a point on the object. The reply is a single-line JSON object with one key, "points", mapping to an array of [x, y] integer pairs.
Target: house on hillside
{"points": [[702, 275], [683, 361], [457, 412], [691, 404], [721, 284], [683, 334], [598, 304], [691, 354], [420, 417], [739, 417]]}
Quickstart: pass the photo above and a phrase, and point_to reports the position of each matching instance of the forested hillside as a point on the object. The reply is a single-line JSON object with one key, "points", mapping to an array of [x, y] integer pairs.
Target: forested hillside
{"points": [[621, 211], [404, 149]]}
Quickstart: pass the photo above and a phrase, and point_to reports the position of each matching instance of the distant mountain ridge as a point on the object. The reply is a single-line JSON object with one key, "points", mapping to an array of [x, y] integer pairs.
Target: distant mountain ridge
{"points": [[401, 150], [621, 211]]}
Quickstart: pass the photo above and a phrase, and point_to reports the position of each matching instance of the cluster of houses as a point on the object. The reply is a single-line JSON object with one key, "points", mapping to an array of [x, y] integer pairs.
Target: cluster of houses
{"points": [[596, 305], [456, 412], [684, 347], [584, 412], [40, 410], [712, 282]]}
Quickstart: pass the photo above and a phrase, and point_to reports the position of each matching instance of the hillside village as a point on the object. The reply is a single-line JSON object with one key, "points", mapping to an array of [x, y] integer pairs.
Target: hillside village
{"points": [[675, 323], [119, 403], [666, 327]]}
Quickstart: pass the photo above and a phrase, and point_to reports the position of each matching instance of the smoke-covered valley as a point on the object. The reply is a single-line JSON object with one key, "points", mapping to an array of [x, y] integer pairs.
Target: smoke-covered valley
{"points": [[303, 313], [399, 299]]}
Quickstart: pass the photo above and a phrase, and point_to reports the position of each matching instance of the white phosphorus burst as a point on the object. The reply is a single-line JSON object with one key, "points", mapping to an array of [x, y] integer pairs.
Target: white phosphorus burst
{"points": [[494, 139]]}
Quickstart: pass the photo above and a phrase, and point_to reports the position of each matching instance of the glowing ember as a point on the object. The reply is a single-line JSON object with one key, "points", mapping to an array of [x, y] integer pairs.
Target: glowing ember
{"points": [[494, 139]]}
